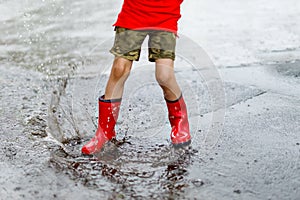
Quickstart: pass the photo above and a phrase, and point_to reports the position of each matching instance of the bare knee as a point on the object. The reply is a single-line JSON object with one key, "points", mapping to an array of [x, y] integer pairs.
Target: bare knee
{"points": [[121, 68], [164, 72], [164, 78]]}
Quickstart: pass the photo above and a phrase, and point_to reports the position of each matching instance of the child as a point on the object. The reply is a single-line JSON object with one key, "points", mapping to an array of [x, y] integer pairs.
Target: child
{"points": [[137, 19]]}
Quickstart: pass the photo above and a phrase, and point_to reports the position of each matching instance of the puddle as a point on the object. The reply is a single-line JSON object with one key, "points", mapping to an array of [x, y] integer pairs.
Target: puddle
{"points": [[133, 169]]}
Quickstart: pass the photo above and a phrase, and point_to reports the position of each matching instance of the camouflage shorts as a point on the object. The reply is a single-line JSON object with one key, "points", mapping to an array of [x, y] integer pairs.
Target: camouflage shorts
{"points": [[128, 44]]}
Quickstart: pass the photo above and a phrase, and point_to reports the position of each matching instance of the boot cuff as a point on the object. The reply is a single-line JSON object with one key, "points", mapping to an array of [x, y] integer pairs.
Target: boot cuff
{"points": [[174, 101], [109, 100]]}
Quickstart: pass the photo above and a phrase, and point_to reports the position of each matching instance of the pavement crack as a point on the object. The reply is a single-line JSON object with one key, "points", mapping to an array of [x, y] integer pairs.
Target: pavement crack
{"points": [[246, 99]]}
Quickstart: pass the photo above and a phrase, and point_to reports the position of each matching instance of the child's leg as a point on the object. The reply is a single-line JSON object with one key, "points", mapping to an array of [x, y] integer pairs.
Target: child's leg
{"points": [[164, 73], [109, 106], [177, 111], [162, 51], [119, 73], [126, 48]]}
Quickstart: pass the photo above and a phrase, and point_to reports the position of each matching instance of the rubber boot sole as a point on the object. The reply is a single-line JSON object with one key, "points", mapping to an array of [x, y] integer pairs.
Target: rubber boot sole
{"points": [[182, 145]]}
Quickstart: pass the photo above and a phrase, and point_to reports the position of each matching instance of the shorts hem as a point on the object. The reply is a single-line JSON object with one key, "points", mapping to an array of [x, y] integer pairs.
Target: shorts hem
{"points": [[153, 59], [131, 58]]}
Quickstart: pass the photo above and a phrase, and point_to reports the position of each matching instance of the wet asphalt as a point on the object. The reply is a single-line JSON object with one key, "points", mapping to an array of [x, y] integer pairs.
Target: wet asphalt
{"points": [[244, 112]]}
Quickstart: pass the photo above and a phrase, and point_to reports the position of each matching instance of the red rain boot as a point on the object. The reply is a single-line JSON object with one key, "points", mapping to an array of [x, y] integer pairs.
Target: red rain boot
{"points": [[178, 117], [108, 115]]}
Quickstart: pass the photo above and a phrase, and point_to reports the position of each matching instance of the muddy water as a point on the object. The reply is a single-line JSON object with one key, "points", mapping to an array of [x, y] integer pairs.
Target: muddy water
{"points": [[67, 44]]}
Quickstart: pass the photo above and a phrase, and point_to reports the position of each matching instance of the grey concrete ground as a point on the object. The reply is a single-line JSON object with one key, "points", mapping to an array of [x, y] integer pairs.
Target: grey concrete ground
{"points": [[242, 89]]}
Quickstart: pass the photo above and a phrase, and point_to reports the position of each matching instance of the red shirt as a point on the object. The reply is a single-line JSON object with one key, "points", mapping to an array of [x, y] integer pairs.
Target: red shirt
{"points": [[150, 14]]}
